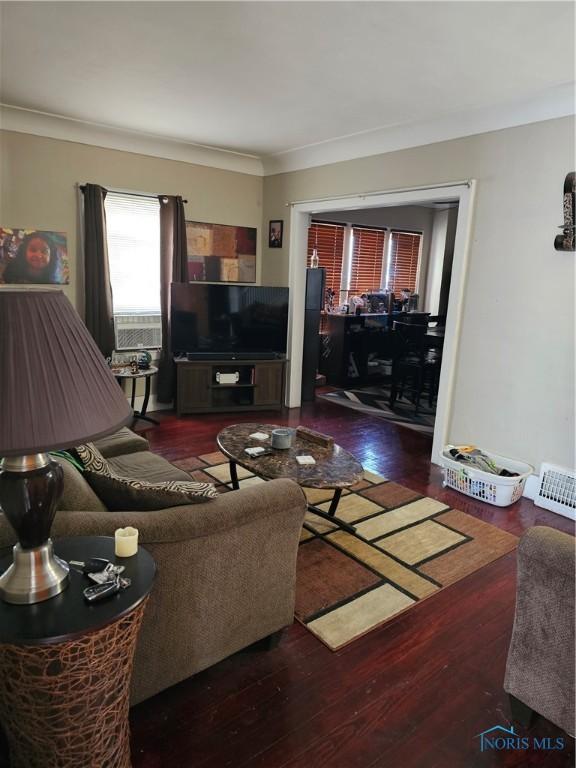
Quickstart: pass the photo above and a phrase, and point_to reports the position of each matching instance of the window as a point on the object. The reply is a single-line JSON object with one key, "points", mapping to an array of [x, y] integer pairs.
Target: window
{"points": [[363, 267], [403, 261], [133, 233], [367, 255], [328, 239]]}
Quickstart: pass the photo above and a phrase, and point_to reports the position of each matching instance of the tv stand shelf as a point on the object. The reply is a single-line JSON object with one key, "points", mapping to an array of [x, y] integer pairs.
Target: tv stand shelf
{"points": [[260, 385]]}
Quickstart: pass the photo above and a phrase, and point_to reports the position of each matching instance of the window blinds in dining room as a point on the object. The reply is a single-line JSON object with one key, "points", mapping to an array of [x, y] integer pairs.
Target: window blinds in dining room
{"points": [[371, 254], [402, 269], [328, 239], [367, 257]]}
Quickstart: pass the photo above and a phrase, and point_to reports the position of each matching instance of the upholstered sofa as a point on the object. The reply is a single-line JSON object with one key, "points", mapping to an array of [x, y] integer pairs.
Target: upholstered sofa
{"points": [[226, 568], [540, 666]]}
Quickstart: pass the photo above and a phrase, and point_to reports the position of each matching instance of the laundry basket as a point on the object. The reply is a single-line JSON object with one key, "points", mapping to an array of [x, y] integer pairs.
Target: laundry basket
{"points": [[500, 491]]}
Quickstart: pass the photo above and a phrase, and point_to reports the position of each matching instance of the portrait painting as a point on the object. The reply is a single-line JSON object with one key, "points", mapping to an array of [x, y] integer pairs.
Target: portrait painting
{"points": [[33, 257], [275, 234]]}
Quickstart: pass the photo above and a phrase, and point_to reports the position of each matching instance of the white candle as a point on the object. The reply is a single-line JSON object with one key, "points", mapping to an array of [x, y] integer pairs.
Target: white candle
{"points": [[126, 542]]}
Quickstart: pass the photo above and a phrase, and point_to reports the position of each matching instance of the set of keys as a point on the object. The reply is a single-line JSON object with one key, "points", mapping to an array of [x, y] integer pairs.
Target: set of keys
{"points": [[105, 574]]}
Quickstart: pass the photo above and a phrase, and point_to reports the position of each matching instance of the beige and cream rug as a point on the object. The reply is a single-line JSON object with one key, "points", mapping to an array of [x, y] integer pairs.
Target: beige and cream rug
{"points": [[407, 547]]}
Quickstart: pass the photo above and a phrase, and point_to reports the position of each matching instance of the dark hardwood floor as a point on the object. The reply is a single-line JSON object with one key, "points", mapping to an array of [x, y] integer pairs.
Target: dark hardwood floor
{"points": [[413, 694]]}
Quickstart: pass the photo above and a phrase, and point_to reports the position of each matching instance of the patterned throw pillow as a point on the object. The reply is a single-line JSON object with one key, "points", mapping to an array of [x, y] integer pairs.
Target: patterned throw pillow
{"points": [[123, 493], [93, 460]]}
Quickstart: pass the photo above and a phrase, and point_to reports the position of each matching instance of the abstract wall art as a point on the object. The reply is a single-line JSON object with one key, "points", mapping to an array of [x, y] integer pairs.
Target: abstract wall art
{"points": [[219, 253]]}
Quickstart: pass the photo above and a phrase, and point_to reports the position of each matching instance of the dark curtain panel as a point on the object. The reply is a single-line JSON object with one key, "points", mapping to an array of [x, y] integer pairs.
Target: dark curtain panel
{"points": [[173, 269], [97, 288]]}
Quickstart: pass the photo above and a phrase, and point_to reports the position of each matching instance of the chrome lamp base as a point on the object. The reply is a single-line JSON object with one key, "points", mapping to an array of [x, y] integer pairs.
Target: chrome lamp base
{"points": [[35, 575]]}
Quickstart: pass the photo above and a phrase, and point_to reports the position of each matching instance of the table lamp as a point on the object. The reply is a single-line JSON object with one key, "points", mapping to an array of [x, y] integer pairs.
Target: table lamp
{"points": [[56, 391]]}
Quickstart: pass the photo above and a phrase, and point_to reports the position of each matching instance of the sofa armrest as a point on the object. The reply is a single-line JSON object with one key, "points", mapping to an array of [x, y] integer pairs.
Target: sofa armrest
{"points": [[546, 551], [540, 665]]}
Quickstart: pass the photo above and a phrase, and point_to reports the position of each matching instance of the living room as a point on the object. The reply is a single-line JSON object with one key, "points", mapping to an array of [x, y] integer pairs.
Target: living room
{"points": [[259, 138]]}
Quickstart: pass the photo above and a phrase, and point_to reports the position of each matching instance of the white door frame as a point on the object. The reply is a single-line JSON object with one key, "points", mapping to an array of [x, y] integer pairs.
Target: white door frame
{"points": [[299, 221]]}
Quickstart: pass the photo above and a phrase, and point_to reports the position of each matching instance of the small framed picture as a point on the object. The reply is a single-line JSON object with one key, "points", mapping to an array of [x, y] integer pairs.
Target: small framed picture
{"points": [[275, 234]]}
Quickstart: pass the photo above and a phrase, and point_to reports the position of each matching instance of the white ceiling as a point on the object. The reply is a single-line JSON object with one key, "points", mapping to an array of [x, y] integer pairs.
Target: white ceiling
{"points": [[270, 78]]}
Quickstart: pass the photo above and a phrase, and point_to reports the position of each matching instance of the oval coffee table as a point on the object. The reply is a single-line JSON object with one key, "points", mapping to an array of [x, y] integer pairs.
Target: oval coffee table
{"points": [[335, 468]]}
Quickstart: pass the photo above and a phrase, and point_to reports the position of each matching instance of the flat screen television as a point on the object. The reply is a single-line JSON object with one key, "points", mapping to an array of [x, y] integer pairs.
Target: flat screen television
{"points": [[228, 319]]}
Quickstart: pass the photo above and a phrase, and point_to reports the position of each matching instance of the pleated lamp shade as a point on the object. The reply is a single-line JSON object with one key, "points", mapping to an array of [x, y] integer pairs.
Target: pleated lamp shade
{"points": [[56, 390]]}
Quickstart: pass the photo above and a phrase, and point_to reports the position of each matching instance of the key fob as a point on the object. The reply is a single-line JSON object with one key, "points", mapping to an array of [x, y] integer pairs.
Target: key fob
{"points": [[101, 591], [109, 573], [93, 565]]}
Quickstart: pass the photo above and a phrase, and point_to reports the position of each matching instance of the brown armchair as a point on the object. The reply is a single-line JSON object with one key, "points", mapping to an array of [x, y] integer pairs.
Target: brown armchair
{"points": [[540, 667]]}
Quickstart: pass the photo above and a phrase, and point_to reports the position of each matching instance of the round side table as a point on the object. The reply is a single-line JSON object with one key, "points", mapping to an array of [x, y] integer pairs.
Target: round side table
{"points": [[146, 374], [65, 666]]}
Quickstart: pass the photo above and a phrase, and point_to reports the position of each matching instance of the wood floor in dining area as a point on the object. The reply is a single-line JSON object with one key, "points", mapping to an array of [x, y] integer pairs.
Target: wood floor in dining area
{"points": [[412, 694]]}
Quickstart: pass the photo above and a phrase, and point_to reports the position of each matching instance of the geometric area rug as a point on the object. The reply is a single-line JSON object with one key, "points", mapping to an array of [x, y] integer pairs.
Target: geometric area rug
{"points": [[407, 548], [375, 402]]}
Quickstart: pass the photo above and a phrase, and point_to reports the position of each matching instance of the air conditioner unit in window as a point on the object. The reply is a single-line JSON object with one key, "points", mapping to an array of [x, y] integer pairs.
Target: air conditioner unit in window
{"points": [[138, 331]]}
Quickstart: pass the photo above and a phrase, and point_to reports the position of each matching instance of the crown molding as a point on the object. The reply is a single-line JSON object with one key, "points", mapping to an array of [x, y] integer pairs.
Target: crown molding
{"points": [[554, 103], [551, 104], [51, 126]]}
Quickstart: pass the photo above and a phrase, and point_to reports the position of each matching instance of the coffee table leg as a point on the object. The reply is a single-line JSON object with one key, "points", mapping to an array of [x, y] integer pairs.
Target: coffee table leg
{"points": [[332, 518], [334, 502], [234, 476]]}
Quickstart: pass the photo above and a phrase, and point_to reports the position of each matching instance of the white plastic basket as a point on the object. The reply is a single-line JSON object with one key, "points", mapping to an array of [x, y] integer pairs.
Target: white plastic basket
{"points": [[500, 491]]}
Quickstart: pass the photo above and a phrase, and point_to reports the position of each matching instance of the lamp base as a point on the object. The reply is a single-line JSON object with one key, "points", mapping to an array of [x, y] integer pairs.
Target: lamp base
{"points": [[35, 575]]}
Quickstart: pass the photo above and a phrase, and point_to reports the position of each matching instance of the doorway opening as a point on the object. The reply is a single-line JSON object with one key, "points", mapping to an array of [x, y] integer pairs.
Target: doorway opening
{"points": [[438, 282]]}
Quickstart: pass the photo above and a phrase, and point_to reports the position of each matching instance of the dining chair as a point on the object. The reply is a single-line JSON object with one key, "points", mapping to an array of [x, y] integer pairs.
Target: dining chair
{"points": [[416, 318], [414, 365]]}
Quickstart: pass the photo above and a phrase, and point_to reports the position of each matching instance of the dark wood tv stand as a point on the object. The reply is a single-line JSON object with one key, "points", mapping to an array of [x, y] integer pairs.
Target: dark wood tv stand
{"points": [[260, 386]]}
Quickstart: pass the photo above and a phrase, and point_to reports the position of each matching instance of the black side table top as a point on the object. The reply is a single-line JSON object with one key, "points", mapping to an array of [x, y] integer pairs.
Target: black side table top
{"points": [[68, 615], [126, 373]]}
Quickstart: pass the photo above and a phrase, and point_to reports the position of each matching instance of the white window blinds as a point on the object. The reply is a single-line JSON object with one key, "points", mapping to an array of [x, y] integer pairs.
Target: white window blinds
{"points": [[133, 234]]}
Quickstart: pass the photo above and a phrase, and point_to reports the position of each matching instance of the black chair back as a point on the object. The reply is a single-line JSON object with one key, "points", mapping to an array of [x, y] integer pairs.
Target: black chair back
{"points": [[416, 318], [410, 338]]}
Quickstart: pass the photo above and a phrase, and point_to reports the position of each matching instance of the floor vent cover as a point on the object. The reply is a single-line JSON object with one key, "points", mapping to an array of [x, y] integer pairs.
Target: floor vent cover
{"points": [[557, 490]]}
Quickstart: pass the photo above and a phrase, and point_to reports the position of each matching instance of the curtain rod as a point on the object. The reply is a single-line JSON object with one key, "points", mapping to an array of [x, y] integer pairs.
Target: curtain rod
{"points": [[132, 194], [364, 195], [348, 224]]}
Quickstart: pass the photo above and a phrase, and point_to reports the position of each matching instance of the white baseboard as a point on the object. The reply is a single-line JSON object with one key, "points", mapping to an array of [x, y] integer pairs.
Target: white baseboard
{"points": [[531, 487]]}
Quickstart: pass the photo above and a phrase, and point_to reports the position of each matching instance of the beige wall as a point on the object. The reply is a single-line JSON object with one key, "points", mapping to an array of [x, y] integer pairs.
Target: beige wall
{"points": [[514, 389], [39, 176]]}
